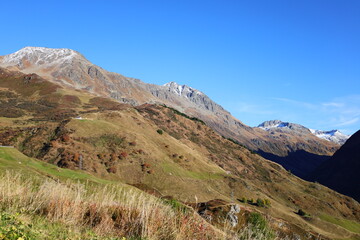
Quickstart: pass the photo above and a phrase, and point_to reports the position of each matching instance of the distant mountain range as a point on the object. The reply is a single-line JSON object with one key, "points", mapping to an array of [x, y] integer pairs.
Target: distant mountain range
{"points": [[333, 136], [72, 70]]}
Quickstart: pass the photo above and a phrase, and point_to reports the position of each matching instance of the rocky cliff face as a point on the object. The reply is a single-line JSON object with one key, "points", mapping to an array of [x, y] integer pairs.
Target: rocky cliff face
{"points": [[70, 69]]}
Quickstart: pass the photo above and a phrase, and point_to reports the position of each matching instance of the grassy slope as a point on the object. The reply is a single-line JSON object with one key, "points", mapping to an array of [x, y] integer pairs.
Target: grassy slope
{"points": [[12, 159], [82, 206], [347, 224], [210, 167]]}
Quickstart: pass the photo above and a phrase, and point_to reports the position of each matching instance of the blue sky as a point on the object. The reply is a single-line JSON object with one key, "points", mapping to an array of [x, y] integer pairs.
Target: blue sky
{"points": [[296, 61]]}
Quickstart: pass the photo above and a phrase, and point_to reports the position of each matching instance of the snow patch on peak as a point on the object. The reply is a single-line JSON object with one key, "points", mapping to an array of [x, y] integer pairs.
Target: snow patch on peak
{"points": [[283, 126], [267, 125], [182, 90], [40, 56], [333, 136]]}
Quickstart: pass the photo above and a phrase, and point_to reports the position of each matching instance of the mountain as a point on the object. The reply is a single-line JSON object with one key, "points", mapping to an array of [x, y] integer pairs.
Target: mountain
{"points": [[159, 150], [341, 171], [306, 151], [283, 126], [334, 136], [72, 70]]}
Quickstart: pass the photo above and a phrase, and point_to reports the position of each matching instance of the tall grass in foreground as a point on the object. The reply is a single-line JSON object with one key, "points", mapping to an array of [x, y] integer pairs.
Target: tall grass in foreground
{"points": [[115, 210], [108, 210]]}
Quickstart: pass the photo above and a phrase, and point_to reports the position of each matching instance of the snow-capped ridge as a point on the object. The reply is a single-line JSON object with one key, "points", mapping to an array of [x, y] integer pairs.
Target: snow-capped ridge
{"points": [[333, 135], [182, 90], [40, 56]]}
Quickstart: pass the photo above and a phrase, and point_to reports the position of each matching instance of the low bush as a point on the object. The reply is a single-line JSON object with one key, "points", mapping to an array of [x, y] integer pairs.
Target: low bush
{"points": [[123, 155], [260, 202], [301, 212], [184, 115], [258, 228]]}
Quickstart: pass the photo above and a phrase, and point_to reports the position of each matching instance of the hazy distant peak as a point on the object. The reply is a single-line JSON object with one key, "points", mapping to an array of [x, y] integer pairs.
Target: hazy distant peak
{"points": [[333, 135], [267, 125]]}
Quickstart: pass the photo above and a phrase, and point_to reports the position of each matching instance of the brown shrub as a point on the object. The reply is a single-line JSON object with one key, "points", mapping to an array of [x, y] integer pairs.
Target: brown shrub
{"points": [[123, 155], [65, 138], [111, 169], [113, 157], [132, 143], [54, 144], [76, 157], [147, 165]]}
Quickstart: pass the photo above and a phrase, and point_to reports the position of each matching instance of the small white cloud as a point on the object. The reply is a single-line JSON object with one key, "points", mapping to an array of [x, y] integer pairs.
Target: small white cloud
{"points": [[297, 103], [347, 122], [333, 104]]}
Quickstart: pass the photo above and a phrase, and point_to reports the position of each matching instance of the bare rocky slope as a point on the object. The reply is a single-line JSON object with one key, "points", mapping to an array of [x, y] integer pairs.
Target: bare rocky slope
{"points": [[72, 70]]}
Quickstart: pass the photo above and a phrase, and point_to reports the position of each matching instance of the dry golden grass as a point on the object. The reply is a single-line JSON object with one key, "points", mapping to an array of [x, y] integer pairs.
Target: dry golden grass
{"points": [[109, 209]]}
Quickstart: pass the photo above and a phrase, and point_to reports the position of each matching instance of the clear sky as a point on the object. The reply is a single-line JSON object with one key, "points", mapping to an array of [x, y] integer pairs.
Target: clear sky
{"points": [[297, 61]]}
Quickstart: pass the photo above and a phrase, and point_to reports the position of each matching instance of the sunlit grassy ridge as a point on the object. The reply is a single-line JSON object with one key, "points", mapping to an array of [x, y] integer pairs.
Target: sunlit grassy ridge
{"points": [[347, 224], [12, 159]]}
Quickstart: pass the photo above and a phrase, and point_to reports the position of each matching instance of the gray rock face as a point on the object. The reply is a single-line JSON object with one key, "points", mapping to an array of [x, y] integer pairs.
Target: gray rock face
{"points": [[187, 95], [285, 126], [232, 215]]}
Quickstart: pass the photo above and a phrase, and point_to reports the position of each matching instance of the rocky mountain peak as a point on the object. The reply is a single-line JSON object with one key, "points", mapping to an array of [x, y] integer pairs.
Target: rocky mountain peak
{"points": [[40, 56], [268, 125], [334, 136], [182, 90]]}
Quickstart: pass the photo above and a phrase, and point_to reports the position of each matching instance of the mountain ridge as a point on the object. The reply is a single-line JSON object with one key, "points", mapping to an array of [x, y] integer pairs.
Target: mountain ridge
{"points": [[333, 135], [81, 74]]}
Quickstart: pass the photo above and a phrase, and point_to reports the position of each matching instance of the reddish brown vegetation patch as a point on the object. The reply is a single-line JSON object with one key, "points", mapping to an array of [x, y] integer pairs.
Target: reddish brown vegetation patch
{"points": [[106, 104]]}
